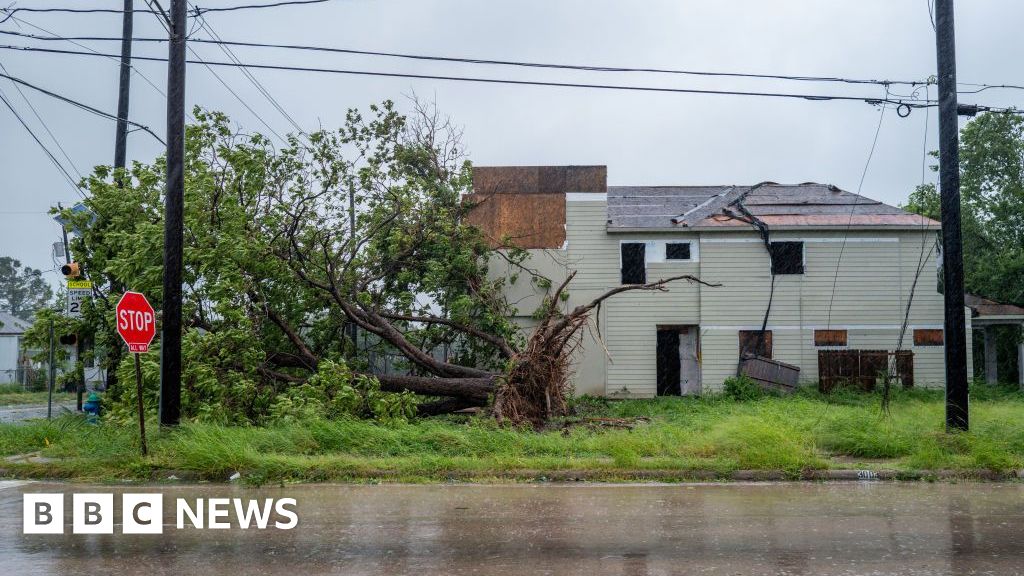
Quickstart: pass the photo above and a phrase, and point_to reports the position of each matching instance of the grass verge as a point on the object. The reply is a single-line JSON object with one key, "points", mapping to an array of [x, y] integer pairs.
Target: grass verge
{"points": [[672, 437]]}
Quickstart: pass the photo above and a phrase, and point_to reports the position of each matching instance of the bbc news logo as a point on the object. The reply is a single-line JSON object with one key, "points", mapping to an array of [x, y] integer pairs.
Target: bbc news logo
{"points": [[144, 513]]}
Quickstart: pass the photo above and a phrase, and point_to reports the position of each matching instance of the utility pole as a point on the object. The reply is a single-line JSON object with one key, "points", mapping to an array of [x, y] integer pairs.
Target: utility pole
{"points": [[174, 205], [955, 335], [121, 138], [121, 149]]}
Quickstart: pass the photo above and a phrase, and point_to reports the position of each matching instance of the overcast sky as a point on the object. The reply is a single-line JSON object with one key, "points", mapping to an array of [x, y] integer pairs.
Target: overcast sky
{"points": [[643, 138]]}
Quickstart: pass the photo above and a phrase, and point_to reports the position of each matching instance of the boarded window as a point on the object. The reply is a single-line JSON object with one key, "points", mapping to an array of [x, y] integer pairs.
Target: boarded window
{"points": [[756, 343], [830, 337], [923, 337], [677, 251], [634, 270], [787, 257]]}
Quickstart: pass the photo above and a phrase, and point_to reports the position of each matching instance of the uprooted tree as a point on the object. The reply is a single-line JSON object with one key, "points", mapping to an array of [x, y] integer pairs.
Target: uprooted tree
{"points": [[290, 251]]}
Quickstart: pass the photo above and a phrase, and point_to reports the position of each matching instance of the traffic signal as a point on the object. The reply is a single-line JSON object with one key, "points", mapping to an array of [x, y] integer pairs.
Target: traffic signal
{"points": [[68, 339], [71, 270]]}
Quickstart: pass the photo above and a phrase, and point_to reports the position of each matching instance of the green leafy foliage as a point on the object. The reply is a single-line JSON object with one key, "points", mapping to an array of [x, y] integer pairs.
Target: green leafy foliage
{"points": [[742, 388], [270, 249], [22, 288], [992, 202]]}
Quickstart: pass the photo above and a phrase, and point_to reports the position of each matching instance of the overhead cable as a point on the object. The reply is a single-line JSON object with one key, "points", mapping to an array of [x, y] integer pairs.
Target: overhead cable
{"points": [[813, 97]]}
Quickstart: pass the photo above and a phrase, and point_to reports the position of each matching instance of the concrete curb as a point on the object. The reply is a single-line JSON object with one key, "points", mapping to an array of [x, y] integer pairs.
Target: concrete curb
{"points": [[568, 476]]}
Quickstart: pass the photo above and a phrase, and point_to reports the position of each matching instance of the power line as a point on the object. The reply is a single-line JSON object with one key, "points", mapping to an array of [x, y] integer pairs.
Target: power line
{"points": [[12, 11], [58, 37], [204, 25], [980, 87], [78, 104], [853, 210], [511, 63], [201, 11], [231, 90], [910, 103], [44, 125], [46, 150]]}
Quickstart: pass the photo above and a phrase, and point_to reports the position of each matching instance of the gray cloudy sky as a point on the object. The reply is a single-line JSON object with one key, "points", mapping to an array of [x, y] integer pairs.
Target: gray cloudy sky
{"points": [[643, 138]]}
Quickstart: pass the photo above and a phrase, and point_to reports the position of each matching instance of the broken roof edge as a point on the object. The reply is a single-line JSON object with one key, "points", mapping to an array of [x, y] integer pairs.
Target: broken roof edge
{"points": [[788, 227]]}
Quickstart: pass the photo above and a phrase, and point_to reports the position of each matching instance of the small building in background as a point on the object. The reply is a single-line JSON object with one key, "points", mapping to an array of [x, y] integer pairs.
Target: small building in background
{"points": [[12, 361]]}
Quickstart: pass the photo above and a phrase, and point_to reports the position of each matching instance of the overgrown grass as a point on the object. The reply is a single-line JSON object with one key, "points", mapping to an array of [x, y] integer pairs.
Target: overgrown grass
{"points": [[804, 431], [14, 394]]}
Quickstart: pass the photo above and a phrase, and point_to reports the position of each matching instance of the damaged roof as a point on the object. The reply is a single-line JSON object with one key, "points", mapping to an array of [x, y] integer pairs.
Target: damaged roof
{"points": [[723, 207], [982, 308]]}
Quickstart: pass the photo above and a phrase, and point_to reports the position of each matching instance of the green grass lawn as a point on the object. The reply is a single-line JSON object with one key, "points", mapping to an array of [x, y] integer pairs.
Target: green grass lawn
{"points": [[671, 435], [13, 394]]}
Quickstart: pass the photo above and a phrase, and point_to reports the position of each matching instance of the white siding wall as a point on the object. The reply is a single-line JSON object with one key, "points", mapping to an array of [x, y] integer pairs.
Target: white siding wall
{"points": [[871, 291]]}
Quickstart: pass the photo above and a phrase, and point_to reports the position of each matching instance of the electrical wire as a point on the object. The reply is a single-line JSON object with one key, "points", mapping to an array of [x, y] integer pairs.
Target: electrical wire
{"points": [[44, 125], [49, 154], [78, 104], [853, 210], [511, 63], [635, 88], [980, 87], [11, 11], [231, 90], [205, 25], [57, 37], [201, 11]]}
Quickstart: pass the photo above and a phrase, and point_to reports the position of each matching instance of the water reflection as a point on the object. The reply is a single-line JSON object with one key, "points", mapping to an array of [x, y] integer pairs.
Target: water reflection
{"points": [[559, 529]]}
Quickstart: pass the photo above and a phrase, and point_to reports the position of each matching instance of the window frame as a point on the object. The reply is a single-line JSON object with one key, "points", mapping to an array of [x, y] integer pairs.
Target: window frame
{"points": [[824, 342], [769, 347], [803, 258], [689, 250], [925, 337], [622, 262]]}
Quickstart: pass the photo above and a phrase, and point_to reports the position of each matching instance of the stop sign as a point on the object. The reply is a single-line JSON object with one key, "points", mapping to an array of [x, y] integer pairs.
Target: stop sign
{"points": [[136, 321]]}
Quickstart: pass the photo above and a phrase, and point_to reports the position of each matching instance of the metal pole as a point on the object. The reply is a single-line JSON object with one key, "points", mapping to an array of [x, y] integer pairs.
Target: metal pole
{"points": [[49, 396], [174, 204], [142, 412], [124, 85], [955, 335]]}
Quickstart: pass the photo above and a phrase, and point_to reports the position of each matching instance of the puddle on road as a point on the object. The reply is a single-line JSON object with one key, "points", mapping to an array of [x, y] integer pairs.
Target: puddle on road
{"points": [[841, 528]]}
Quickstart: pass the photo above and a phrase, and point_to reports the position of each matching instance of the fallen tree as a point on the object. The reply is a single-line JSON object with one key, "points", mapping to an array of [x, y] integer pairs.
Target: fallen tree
{"points": [[304, 264]]}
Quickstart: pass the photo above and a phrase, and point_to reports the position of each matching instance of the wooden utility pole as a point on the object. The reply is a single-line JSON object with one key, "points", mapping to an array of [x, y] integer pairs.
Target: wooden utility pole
{"points": [[174, 206], [123, 92], [955, 334], [121, 150]]}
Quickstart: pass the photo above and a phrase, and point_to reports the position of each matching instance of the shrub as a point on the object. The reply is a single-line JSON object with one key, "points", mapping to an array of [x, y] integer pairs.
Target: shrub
{"points": [[742, 389]]}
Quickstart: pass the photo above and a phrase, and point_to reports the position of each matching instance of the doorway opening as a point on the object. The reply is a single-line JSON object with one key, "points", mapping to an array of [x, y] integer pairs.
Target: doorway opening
{"points": [[678, 361]]}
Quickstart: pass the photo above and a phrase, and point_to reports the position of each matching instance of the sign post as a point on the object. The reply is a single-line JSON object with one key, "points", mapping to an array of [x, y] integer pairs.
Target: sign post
{"points": [[136, 323]]}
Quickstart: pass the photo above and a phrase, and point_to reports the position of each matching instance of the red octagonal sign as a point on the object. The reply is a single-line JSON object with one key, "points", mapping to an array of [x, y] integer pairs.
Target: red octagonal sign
{"points": [[136, 321]]}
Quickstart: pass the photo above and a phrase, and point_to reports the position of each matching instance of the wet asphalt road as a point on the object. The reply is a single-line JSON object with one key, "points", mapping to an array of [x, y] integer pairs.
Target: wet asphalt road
{"points": [[20, 412], [749, 529]]}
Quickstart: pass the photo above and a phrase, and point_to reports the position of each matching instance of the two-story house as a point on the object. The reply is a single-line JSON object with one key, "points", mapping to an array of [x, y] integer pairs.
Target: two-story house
{"points": [[822, 270]]}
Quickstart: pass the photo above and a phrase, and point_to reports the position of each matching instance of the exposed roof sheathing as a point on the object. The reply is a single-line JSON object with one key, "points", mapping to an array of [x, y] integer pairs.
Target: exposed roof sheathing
{"points": [[682, 207]]}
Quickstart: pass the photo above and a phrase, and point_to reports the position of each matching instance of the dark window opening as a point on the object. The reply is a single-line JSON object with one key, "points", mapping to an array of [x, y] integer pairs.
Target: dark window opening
{"points": [[830, 337], [677, 251], [634, 270], [787, 257], [928, 337], [755, 343]]}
